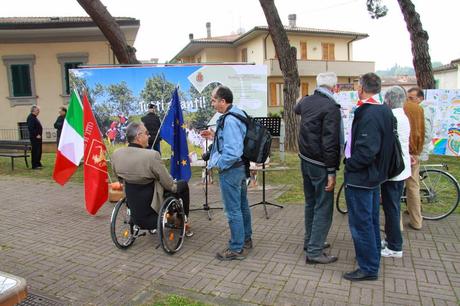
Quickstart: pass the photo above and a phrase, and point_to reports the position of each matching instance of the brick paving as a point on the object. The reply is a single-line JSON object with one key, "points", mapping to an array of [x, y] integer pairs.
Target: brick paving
{"points": [[47, 238]]}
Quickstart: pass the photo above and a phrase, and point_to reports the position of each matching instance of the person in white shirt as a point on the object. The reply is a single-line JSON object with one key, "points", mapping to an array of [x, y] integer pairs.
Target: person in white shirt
{"points": [[392, 189]]}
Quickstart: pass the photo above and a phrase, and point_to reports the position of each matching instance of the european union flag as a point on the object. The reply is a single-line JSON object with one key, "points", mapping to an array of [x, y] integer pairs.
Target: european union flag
{"points": [[173, 132]]}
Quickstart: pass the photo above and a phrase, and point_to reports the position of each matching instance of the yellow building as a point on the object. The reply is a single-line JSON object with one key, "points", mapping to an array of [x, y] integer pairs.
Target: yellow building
{"points": [[37, 53], [317, 51]]}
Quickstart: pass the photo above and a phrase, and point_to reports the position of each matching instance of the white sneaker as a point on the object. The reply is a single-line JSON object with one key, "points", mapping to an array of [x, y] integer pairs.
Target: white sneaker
{"points": [[386, 252]]}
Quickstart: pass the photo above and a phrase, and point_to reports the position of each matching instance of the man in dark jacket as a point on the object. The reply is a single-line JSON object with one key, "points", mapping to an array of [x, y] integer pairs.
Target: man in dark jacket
{"points": [[35, 134], [60, 123], [152, 123], [319, 143], [367, 158]]}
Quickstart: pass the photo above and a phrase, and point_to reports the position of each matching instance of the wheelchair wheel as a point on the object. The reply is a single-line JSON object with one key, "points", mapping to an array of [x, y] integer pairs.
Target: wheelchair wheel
{"points": [[439, 194], [121, 226], [340, 202], [171, 225]]}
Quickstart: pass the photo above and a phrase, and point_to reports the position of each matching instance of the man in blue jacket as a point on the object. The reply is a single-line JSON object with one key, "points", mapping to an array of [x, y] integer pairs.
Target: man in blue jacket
{"points": [[226, 153], [367, 159]]}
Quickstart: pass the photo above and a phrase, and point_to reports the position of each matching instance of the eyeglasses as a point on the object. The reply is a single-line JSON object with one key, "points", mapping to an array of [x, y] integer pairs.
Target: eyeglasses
{"points": [[145, 132]]}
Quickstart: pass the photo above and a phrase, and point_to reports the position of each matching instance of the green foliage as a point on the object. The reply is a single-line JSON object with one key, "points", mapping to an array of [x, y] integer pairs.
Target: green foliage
{"points": [[158, 90], [274, 115], [396, 70], [376, 9], [201, 117]]}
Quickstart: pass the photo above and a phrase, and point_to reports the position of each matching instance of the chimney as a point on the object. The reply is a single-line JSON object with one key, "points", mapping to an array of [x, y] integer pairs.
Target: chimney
{"points": [[208, 29], [292, 18], [190, 36]]}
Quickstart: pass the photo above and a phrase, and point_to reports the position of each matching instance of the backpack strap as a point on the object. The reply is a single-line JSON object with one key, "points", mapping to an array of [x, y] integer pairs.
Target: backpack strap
{"points": [[220, 126]]}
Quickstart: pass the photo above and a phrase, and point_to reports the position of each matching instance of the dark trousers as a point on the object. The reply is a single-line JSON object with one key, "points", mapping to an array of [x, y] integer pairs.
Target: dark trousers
{"points": [[391, 200], [36, 152], [319, 206], [363, 219]]}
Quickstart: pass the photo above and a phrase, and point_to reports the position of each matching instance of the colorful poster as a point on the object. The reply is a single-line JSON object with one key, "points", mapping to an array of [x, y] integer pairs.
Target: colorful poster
{"points": [[444, 107], [119, 95], [446, 127]]}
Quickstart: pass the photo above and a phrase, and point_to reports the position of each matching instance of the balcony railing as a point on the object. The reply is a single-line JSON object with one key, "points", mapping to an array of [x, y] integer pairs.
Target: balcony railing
{"points": [[49, 134], [313, 67]]}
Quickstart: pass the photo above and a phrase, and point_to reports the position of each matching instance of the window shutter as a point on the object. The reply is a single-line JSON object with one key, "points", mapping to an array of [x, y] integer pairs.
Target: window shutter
{"points": [[273, 94], [303, 50], [244, 55], [331, 55], [304, 89]]}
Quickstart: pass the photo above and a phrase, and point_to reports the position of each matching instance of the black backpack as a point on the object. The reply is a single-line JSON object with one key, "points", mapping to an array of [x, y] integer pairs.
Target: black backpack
{"points": [[396, 161], [257, 141]]}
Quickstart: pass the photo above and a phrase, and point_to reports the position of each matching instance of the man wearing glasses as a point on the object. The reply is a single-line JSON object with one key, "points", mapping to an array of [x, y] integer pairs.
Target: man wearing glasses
{"points": [[145, 170]]}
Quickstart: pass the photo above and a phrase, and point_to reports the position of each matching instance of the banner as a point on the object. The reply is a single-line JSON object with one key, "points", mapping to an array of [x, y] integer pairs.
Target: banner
{"points": [[119, 95]]}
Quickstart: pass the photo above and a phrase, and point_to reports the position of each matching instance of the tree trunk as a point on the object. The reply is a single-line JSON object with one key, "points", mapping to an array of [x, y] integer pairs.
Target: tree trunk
{"points": [[419, 40], [287, 57], [125, 53]]}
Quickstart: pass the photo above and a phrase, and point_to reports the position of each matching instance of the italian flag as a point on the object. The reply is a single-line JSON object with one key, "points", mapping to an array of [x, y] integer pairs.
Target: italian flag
{"points": [[70, 150]]}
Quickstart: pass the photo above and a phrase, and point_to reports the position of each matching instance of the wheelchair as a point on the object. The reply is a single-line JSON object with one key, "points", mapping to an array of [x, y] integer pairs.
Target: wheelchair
{"points": [[170, 225]]}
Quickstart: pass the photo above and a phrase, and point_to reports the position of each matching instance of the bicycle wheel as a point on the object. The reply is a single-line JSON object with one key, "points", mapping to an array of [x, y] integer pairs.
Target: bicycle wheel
{"points": [[121, 227], [171, 225], [439, 194], [340, 202]]}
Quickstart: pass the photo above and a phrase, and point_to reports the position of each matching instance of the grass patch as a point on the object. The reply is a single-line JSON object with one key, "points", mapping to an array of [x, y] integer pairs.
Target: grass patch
{"points": [[176, 300]]}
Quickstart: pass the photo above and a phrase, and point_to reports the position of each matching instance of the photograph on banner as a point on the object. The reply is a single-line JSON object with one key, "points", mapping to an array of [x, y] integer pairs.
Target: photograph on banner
{"points": [[120, 95]]}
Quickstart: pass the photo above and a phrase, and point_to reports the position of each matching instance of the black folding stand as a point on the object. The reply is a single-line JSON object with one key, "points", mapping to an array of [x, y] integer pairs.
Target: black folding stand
{"points": [[206, 204], [274, 126]]}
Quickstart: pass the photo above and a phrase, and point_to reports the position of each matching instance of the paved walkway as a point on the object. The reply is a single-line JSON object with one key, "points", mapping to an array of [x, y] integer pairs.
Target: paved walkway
{"points": [[47, 238]]}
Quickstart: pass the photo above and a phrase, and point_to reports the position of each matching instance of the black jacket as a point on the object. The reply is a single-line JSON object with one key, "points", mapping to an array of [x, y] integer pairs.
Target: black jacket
{"points": [[371, 146], [152, 124], [319, 135], [58, 125], [34, 126]]}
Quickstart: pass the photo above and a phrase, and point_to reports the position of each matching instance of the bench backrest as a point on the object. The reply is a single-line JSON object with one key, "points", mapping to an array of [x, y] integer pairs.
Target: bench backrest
{"points": [[15, 145]]}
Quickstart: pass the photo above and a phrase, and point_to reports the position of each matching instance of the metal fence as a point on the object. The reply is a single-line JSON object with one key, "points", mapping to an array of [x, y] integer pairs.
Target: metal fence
{"points": [[22, 133]]}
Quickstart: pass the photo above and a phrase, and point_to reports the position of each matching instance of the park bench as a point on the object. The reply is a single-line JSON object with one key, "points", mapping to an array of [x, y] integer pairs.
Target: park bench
{"points": [[15, 149]]}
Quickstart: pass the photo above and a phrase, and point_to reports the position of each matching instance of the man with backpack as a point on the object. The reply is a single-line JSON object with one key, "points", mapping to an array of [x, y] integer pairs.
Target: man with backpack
{"points": [[320, 136], [226, 156]]}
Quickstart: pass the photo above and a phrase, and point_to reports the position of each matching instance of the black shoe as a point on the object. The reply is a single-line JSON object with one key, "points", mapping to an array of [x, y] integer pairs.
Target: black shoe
{"points": [[358, 275], [228, 254], [326, 245], [322, 259]]}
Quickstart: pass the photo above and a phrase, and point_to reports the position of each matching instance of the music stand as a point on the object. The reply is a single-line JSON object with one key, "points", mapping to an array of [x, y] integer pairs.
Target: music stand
{"points": [[206, 204], [273, 125]]}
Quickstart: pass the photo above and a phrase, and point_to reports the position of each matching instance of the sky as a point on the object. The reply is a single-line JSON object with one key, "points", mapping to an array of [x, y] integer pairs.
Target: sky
{"points": [[165, 25]]}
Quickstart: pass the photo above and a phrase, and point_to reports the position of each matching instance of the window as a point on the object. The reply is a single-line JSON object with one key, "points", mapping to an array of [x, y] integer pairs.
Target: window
{"points": [[276, 94], [198, 59], [244, 55], [328, 52], [70, 61], [303, 50], [20, 75]]}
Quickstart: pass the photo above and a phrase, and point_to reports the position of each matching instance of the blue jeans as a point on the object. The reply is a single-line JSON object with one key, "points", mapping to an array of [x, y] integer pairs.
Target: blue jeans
{"points": [[319, 205], [391, 200], [363, 219], [236, 207]]}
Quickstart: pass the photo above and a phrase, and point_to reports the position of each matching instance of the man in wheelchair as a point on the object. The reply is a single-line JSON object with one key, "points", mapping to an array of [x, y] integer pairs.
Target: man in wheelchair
{"points": [[146, 179]]}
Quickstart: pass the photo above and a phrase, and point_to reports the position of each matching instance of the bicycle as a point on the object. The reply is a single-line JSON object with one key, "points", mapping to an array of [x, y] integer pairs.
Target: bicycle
{"points": [[439, 193]]}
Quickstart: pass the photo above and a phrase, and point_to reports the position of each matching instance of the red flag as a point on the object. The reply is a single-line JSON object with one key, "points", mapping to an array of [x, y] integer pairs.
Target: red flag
{"points": [[95, 164]]}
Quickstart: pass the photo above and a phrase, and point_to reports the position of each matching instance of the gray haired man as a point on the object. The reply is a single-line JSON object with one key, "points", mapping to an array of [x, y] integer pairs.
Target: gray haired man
{"points": [[319, 144]]}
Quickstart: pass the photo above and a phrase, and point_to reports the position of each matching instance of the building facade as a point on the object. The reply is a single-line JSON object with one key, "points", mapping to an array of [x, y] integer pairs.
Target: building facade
{"points": [[317, 51], [448, 76], [36, 54]]}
